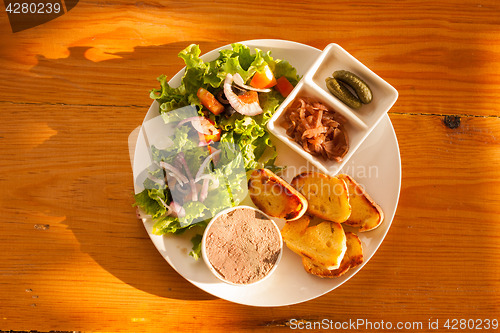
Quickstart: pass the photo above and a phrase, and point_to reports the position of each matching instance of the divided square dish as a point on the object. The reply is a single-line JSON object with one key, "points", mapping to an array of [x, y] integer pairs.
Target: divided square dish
{"points": [[357, 123]]}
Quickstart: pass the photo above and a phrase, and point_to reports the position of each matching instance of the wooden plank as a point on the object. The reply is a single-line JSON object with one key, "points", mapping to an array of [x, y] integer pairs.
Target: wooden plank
{"points": [[75, 257], [442, 57]]}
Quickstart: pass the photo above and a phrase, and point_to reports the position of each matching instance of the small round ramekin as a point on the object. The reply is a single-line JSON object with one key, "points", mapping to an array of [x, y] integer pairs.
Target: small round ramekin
{"points": [[207, 260]]}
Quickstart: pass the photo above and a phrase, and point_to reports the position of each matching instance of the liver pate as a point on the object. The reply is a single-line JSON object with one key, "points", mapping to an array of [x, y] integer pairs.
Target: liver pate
{"points": [[243, 245]]}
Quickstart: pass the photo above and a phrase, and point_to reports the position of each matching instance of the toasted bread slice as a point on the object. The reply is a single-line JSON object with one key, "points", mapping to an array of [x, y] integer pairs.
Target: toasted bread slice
{"points": [[324, 243], [328, 196], [366, 214], [295, 229], [352, 258], [274, 196]]}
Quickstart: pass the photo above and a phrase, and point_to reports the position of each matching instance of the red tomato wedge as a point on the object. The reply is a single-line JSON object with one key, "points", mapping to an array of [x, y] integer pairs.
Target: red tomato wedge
{"points": [[249, 97], [263, 80], [209, 101], [284, 86]]}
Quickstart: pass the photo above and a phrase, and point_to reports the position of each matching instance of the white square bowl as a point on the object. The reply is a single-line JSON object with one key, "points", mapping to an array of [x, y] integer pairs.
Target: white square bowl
{"points": [[359, 123]]}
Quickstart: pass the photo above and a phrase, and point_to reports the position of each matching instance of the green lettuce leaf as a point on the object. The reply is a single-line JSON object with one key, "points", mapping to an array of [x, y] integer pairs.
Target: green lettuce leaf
{"points": [[165, 225], [210, 75], [195, 212], [148, 204], [196, 250], [248, 134]]}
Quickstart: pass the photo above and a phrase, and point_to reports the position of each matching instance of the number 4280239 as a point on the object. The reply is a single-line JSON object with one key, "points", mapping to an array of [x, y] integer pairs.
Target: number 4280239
{"points": [[471, 324], [33, 8]]}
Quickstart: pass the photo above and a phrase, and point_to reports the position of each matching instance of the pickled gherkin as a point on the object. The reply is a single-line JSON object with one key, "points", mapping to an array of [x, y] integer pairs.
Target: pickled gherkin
{"points": [[338, 83], [362, 90], [342, 93]]}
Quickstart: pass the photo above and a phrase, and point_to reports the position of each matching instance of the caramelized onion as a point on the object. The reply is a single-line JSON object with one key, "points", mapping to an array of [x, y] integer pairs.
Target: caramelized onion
{"points": [[317, 129]]}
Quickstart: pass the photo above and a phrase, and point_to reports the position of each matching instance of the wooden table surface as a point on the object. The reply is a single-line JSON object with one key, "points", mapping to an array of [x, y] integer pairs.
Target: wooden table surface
{"points": [[73, 256]]}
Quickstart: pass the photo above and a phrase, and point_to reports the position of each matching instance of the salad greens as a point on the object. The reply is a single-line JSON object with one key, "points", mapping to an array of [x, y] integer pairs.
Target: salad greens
{"points": [[244, 142], [249, 132]]}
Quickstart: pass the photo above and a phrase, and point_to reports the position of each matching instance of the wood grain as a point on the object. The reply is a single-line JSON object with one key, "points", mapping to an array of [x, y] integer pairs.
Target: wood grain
{"points": [[431, 52], [81, 251], [74, 257]]}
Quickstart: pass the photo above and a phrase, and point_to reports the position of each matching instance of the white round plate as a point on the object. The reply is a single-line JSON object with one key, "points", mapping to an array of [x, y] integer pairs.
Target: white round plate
{"points": [[376, 165]]}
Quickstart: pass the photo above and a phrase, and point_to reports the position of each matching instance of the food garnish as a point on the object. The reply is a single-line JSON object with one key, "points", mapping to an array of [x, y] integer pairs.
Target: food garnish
{"points": [[338, 83], [238, 80], [341, 92], [209, 101], [284, 86], [316, 128], [191, 180], [246, 103], [362, 89], [263, 79], [225, 137]]}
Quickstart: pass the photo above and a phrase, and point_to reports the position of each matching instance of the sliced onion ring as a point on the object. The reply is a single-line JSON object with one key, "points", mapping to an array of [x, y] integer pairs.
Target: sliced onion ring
{"points": [[194, 192], [175, 171], [205, 164], [169, 210], [247, 109], [215, 181], [177, 210], [200, 124], [204, 189]]}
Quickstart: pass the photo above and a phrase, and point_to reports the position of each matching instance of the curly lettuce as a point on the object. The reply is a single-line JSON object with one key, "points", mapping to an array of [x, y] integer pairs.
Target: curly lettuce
{"points": [[248, 134]]}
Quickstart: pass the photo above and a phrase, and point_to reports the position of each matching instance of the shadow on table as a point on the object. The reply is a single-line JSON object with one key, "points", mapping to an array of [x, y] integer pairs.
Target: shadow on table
{"points": [[91, 140]]}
